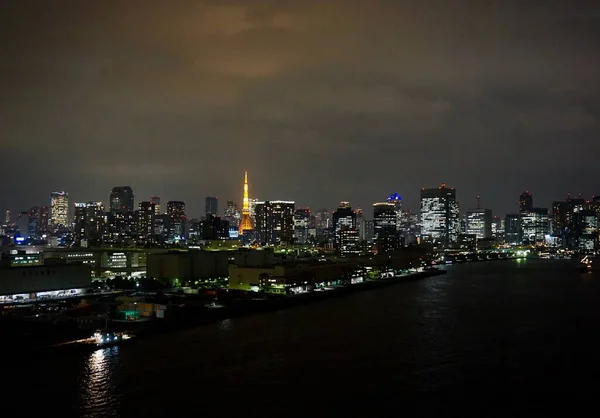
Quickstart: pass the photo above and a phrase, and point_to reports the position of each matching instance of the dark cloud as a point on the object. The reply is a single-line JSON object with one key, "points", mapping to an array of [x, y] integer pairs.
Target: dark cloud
{"points": [[320, 100]]}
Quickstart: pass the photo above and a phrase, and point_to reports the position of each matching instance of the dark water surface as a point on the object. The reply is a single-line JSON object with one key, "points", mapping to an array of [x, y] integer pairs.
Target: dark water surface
{"points": [[498, 337]]}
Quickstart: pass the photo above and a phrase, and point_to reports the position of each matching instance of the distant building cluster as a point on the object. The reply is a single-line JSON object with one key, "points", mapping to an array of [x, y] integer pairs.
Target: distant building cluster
{"points": [[571, 224]]}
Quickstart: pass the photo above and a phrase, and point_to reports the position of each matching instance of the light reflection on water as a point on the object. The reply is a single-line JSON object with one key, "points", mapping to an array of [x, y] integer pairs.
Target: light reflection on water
{"points": [[99, 395]]}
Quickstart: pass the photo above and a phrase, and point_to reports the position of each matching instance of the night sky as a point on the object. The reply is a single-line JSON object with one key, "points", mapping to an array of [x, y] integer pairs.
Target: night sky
{"points": [[320, 101]]}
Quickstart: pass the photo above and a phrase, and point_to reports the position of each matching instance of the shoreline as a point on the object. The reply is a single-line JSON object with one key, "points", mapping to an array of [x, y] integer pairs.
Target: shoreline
{"points": [[243, 308], [182, 318]]}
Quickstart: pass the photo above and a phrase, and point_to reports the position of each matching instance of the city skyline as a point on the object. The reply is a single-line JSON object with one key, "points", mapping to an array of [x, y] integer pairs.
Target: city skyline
{"points": [[196, 208], [393, 97]]}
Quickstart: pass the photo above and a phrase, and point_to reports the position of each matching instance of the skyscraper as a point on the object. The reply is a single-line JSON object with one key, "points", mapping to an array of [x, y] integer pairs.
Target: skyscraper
{"points": [[177, 219], [121, 200], [252, 207], [349, 242], [59, 207], [232, 215], [214, 228], [275, 221], [567, 220], [323, 220], [513, 233], [525, 202], [535, 225], [478, 222], [89, 223], [34, 222], [155, 200], [44, 219], [145, 221], [385, 227], [245, 221], [396, 200], [343, 219], [587, 229], [211, 206], [360, 224], [301, 224], [23, 225], [440, 221]]}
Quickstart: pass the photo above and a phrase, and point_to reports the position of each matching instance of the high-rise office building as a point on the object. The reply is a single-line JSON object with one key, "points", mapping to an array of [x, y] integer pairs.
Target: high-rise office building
{"points": [[440, 220], [573, 223], [410, 224], [385, 220], [478, 222], [211, 206], [23, 225], [44, 219], [155, 200], [59, 208], [176, 209], [120, 226], [252, 205], [535, 225], [89, 223], [275, 221], [232, 215], [396, 200], [145, 216], [360, 224], [301, 225], [177, 219], [162, 226], [513, 233], [498, 228], [342, 218], [34, 222], [345, 240], [525, 202], [587, 239], [349, 242], [369, 231], [252, 202], [195, 230], [121, 200], [595, 205], [214, 228], [245, 221], [323, 220]]}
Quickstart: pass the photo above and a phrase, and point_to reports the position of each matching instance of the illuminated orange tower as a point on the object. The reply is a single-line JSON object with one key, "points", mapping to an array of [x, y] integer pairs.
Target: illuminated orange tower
{"points": [[246, 221]]}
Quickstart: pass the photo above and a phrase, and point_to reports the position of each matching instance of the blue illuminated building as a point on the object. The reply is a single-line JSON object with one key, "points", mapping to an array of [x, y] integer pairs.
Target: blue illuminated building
{"points": [[395, 197]]}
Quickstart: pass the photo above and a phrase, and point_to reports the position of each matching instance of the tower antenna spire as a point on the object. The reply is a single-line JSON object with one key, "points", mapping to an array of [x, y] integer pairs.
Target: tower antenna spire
{"points": [[245, 222]]}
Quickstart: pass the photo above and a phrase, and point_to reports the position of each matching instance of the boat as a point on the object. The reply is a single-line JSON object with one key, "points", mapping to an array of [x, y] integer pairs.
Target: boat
{"points": [[101, 339], [104, 340], [98, 341], [107, 339], [585, 264]]}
